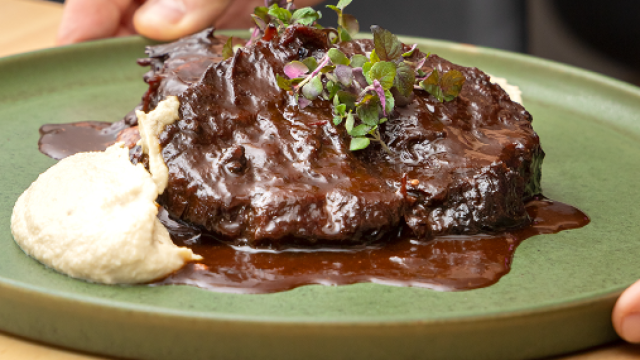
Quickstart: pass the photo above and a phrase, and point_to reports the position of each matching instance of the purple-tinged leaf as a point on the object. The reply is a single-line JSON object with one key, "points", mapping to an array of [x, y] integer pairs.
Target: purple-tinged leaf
{"points": [[358, 76], [405, 77], [432, 85], [350, 23], [295, 69], [344, 74], [451, 84], [387, 45], [303, 102], [380, 91], [369, 111]]}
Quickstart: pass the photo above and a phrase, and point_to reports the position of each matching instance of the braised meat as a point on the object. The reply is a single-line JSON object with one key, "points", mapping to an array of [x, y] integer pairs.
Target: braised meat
{"points": [[249, 165]]}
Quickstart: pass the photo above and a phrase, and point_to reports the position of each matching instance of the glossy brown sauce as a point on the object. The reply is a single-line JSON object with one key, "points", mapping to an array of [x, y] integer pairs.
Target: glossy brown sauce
{"points": [[446, 263], [449, 263], [58, 141]]}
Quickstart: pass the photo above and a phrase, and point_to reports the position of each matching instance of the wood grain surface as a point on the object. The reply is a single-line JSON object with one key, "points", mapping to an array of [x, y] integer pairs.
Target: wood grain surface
{"points": [[27, 25]]}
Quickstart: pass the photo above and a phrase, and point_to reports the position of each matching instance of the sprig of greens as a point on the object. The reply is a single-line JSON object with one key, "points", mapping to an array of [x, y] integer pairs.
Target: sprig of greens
{"points": [[276, 15], [363, 90]]}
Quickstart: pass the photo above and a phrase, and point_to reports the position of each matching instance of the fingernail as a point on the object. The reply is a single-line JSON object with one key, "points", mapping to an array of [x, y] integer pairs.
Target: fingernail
{"points": [[631, 328], [164, 11]]}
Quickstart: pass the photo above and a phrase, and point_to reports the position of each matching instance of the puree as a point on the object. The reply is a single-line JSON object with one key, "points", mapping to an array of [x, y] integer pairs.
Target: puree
{"points": [[93, 216]]}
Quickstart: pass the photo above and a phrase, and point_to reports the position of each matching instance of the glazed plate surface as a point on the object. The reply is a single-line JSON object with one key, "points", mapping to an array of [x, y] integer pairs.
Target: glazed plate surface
{"points": [[557, 297]]}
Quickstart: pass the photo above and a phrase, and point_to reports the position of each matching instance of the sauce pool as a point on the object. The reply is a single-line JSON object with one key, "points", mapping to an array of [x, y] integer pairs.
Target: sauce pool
{"points": [[448, 263]]}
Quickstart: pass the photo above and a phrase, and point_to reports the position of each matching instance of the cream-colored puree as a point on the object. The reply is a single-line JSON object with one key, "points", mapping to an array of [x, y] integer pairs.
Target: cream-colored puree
{"points": [[151, 125], [93, 216]]}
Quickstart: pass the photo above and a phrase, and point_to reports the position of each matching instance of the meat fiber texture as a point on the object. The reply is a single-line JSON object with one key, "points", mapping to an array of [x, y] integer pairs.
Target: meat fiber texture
{"points": [[248, 165]]}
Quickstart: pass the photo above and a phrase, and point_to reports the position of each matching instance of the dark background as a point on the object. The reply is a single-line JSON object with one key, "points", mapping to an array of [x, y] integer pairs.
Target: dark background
{"points": [[596, 35]]}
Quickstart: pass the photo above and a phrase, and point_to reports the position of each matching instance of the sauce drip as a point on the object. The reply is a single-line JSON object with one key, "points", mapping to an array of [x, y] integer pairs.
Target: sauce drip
{"points": [[58, 141], [448, 263]]}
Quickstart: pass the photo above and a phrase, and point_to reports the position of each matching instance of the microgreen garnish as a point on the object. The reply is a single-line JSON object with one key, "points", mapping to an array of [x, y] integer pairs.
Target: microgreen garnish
{"points": [[445, 87], [279, 14], [347, 24], [363, 89]]}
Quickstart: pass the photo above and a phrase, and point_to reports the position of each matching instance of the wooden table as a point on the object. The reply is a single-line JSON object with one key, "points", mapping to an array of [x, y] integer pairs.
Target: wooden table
{"points": [[27, 25]]}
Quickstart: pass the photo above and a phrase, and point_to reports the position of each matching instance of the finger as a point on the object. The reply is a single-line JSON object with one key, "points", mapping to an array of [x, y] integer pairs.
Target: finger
{"points": [[626, 314], [171, 19], [84, 20]]}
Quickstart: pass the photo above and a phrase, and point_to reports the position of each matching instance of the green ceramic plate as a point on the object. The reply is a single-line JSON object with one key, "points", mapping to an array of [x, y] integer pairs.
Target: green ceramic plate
{"points": [[557, 298]]}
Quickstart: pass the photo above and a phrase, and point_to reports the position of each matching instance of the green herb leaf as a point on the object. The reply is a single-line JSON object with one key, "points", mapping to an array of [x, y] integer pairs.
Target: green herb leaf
{"points": [[451, 84], [311, 63], [336, 9], [385, 72], [382, 121], [337, 57], [337, 120], [366, 69], [359, 143], [283, 15], [387, 45], [328, 68], [341, 110], [347, 98], [332, 88], [374, 57], [284, 84], [349, 123], [262, 12], [390, 102], [343, 4], [405, 78], [358, 60], [369, 112], [227, 49], [344, 34], [360, 130], [313, 88], [305, 16]]}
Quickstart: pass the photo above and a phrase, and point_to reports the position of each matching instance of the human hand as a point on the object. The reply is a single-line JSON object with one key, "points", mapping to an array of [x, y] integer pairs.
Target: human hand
{"points": [[85, 20], [626, 314]]}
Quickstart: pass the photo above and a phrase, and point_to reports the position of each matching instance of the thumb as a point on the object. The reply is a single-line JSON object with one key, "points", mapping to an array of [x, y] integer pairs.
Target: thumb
{"points": [[626, 314], [171, 19]]}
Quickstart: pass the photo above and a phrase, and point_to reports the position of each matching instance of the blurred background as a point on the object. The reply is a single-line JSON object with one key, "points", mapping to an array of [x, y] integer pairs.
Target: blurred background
{"points": [[599, 36]]}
